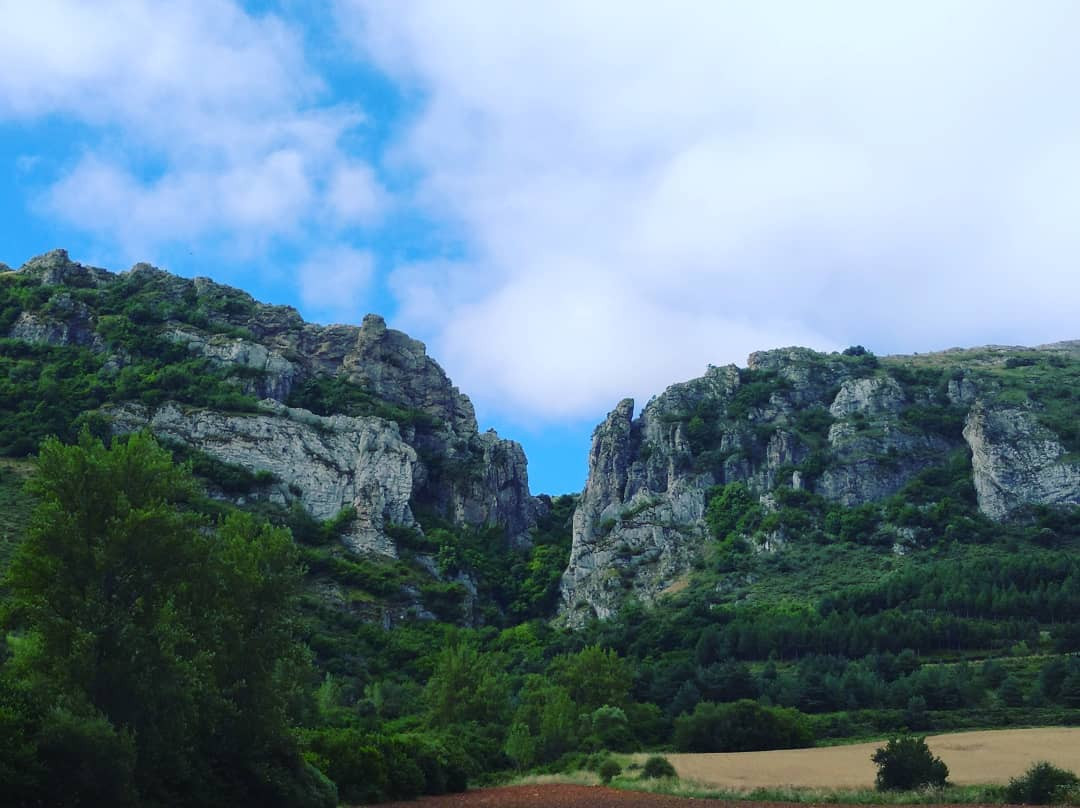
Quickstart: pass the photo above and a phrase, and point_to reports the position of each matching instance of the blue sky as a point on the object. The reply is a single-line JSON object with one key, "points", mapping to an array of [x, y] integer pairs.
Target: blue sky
{"points": [[569, 203]]}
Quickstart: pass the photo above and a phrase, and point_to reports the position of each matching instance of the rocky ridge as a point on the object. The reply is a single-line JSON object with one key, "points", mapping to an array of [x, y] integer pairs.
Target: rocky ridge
{"points": [[416, 446], [849, 427]]}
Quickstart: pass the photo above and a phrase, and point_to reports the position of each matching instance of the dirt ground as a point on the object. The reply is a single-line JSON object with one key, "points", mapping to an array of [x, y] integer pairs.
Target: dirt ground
{"points": [[566, 796], [972, 757]]}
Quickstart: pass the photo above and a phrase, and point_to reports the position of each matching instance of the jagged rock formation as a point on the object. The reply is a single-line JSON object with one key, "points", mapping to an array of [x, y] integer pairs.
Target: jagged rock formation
{"points": [[848, 427], [324, 463], [1016, 461], [414, 445]]}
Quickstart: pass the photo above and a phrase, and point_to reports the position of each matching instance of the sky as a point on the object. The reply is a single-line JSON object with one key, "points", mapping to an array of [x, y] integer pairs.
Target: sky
{"points": [[569, 203]]}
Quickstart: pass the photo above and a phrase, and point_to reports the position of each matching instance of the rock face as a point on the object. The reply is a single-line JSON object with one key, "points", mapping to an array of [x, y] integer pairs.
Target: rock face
{"points": [[1016, 461], [851, 428], [420, 447], [325, 463]]}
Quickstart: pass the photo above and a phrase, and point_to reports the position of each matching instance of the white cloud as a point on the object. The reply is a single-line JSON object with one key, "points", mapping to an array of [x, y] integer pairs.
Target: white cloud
{"points": [[334, 282], [199, 120], [646, 189], [354, 195]]}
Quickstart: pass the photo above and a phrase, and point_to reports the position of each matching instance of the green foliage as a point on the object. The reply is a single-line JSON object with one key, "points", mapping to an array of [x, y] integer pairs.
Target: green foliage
{"points": [[161, 630], [906, 763], [335, 395], [742, 726], [1050, 382], [1043, 783], [755, 390], [521, 745], [547, 721], [466, 685], [609, 729], [230, 478], [656, 767], [594, 677], [89, 760], [941, 419], [609, 770], [732, 509]]}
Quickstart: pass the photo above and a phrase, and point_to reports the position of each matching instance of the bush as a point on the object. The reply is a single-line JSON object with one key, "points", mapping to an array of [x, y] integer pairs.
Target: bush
{"points": [[907, 763], [1042, 784], [611, 729], [742, 726], [656, 767], [609, 769]]}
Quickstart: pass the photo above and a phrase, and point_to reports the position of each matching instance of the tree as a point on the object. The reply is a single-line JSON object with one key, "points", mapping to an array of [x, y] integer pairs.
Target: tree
{"points": [[521, 745], [594, 677], [742, 726], [467, 685], [547, 712], [906, 763], [144, 620]]}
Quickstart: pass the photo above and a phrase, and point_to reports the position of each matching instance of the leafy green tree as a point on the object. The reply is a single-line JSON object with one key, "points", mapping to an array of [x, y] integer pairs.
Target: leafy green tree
{"points": [[549, 714], [611, 729], [742, 726], [467, 685], [145, 621], [1011, 693], [521, 745], [594, 677], [906, 763]]}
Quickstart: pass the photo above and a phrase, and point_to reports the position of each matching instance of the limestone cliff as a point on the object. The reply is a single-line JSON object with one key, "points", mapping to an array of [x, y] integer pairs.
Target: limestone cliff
{"points": [[848, 427], [392, 434]]}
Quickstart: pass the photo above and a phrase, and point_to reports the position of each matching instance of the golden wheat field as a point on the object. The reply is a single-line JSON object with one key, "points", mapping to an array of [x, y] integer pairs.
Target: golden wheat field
{"points": [[972, 757]]}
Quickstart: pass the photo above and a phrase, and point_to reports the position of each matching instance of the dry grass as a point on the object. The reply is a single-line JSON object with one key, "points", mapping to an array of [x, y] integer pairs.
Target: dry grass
{"points": [[972, 757]]}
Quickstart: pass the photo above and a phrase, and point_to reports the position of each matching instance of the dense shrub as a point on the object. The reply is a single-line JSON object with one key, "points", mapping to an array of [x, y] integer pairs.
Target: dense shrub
{"points": [[906, 763], [608, 770], [742, 726], [656, 767], [611, 729], [375, 768], [1042, 784]]}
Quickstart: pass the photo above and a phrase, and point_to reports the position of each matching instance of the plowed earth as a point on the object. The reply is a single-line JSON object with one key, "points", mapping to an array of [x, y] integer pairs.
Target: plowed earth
{"points": [[567, 796]]}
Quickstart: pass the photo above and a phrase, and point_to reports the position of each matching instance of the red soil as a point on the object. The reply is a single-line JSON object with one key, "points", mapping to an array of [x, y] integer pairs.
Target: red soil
{"points": [[567, 796]]}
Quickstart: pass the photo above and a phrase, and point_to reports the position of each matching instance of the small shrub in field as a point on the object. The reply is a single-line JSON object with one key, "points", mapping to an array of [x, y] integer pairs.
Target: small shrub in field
{"points": [[609, 769], [657, 766], [593, 761], [906, 763], [1042, 784]]}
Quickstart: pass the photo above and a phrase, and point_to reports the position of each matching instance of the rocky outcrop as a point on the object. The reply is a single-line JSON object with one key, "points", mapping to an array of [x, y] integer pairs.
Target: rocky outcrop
{"points": [[324, 463], [423, 449], [69, 324], [1017, 461], [274, 376], [851, 428], [628, 538]]}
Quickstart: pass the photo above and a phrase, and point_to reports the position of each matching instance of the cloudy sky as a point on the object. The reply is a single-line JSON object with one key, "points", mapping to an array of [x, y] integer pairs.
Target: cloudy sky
{"points": [[569, 202]]}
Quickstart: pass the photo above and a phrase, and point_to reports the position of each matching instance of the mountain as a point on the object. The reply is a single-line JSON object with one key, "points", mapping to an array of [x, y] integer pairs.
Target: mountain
{"points": [[358, 429], [813, 546], [801, 430], [302, 421]]}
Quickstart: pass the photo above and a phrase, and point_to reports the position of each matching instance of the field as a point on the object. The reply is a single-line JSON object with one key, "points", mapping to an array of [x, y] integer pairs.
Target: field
{"points": [[972, 757]]}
